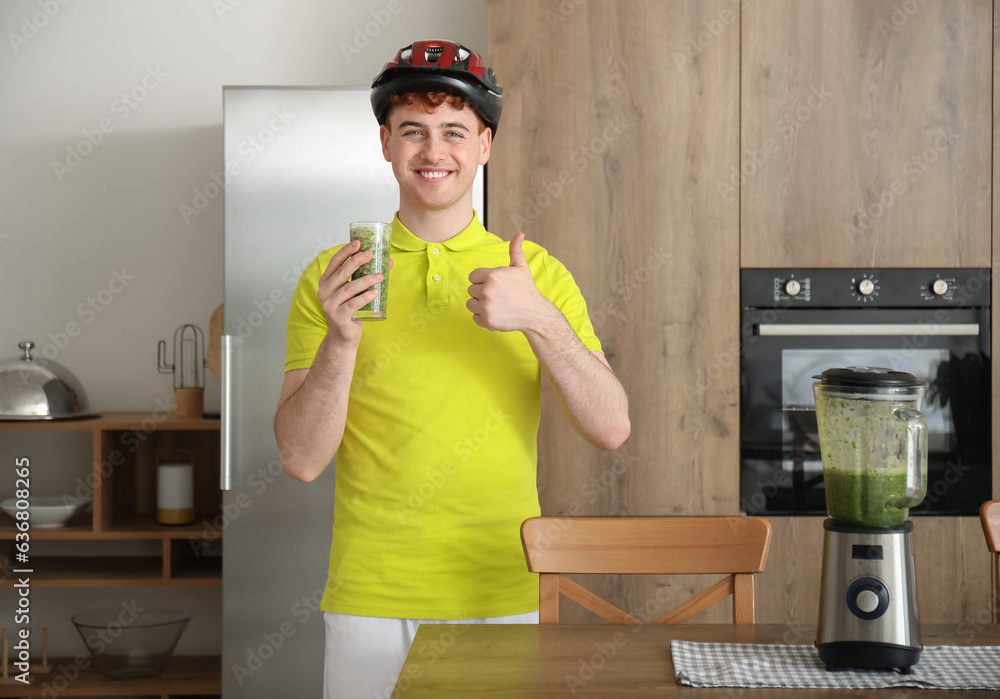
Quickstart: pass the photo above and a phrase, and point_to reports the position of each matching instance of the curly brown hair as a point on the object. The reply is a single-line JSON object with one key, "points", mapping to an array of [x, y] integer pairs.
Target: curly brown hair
{"points": [[430, 101]]}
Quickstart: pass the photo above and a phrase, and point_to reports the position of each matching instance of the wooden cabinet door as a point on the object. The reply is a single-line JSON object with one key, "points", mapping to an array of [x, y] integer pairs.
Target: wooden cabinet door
{"points": [[618, 116], [865, 134]]}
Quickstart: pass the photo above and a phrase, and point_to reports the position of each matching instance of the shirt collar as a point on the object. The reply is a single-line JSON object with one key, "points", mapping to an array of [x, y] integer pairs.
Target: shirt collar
{"points": [[472, 236]]}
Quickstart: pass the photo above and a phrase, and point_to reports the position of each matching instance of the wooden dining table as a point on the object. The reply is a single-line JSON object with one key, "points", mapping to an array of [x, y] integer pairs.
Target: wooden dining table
{"points": [[531, 661]]}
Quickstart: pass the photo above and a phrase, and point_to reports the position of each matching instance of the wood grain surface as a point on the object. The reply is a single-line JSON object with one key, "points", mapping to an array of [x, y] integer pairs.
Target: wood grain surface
{"points": [[535, 661], [623, 123], [614, 130], [864, 132]]}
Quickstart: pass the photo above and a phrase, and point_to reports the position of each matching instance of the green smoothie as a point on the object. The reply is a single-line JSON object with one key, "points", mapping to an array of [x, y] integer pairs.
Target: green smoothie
{"points": [[375, 236], [865, 498], [864, 448]]}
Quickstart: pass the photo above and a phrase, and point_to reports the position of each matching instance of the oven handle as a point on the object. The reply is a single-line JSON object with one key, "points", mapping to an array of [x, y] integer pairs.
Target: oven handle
{"points": [[857, 329]]}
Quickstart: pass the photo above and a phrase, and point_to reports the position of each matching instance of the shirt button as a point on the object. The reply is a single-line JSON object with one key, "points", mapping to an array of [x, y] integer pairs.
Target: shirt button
{"points": [[436, 251], [437, 277]]}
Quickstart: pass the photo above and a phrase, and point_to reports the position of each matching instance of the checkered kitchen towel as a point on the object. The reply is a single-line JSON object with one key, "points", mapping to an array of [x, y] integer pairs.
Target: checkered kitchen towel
{"points": [[799, 666]]}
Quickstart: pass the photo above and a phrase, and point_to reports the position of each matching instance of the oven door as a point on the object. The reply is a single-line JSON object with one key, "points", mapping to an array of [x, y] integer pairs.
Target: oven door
{"points": [[784, 349]]}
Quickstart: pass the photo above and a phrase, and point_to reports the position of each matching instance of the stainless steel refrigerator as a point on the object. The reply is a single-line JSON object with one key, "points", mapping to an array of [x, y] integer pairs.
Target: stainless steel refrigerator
{"points": [[300, 165]]}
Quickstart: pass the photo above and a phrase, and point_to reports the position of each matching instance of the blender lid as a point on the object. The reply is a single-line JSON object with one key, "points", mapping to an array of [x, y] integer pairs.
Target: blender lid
{"points": [[868, 376]]}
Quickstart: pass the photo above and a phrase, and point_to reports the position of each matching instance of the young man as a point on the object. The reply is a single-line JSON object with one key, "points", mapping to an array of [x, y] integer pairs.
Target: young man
{"points": [[433, 413]]}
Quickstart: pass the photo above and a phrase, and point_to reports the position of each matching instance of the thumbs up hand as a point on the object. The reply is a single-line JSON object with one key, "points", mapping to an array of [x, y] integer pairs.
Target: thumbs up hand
{"points": [[517, 253], [504, 298]]}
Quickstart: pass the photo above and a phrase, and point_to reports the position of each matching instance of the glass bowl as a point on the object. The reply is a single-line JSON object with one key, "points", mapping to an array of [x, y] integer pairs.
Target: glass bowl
{"points": [[129, 642]]}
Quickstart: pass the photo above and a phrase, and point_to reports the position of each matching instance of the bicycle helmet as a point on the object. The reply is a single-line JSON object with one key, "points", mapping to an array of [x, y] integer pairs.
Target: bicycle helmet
{"points": [[439, 66]]}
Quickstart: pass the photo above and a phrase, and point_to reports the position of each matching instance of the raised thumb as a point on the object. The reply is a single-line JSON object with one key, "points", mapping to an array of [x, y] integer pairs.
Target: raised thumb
{"points": [[516, 253]]}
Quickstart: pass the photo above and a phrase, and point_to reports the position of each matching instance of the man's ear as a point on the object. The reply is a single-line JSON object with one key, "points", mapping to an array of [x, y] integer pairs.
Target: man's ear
{"points": [[485, 145], [383, 134]]}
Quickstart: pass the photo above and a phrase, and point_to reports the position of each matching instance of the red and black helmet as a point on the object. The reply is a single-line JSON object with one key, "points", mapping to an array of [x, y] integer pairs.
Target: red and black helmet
{"points": [[439, 66]]}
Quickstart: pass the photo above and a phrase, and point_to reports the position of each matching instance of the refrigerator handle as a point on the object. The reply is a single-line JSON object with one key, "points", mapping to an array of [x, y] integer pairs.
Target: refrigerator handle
{"points": [[230, 376]]}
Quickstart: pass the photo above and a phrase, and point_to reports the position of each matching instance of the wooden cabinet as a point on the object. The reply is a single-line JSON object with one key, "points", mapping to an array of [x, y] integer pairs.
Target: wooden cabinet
{"points": [[865, 132], [125, 448], [616, 124], [613, 126], [658, 147], [950, 558]]}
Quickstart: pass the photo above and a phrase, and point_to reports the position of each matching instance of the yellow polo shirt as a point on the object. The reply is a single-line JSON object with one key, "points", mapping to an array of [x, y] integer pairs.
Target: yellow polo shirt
{"points": [[437, 468]]}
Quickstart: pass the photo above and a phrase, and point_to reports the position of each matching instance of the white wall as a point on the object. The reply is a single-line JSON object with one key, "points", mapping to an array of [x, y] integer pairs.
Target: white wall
{"points": [[149, 73], [98, 247]]}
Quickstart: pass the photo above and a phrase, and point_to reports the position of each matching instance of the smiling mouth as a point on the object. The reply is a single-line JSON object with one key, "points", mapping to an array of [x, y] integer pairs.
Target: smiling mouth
{"points": [[433, 174]]}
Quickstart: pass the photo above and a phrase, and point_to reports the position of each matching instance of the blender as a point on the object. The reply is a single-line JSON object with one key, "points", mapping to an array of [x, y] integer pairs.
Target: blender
{"points": [[873, 440]]}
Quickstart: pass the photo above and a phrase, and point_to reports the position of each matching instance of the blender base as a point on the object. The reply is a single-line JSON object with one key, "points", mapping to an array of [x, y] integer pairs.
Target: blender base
{"points": [[862, 655]]}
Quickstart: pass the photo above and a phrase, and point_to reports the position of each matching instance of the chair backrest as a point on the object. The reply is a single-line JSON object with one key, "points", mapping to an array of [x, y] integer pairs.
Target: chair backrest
{"points": [[989, 515], [735, 546]]}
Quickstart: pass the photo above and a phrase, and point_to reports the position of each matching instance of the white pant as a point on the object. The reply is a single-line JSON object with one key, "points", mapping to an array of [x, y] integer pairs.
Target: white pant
{"points": [[364, 654]]}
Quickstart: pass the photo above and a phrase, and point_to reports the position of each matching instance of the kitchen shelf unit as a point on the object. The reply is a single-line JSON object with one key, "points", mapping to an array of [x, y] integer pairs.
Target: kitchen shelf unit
{"points": [[184, 676], [122, 483]]}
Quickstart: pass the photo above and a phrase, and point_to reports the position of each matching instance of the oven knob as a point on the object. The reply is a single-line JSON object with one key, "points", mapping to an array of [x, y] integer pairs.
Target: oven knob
{"points": [[866, 287], [793, 287], [939, 287]]}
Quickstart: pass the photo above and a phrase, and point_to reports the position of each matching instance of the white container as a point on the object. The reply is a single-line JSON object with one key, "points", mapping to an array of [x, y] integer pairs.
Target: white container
{"points": [[175, 493]]}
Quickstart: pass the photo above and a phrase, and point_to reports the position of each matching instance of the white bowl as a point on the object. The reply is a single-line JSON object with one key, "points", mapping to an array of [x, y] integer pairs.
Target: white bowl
{"points": [[46, 511]]}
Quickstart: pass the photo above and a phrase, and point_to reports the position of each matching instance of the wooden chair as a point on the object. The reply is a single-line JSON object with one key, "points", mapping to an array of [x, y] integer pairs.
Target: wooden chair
{"points": [[555, 546], [989, 515]]}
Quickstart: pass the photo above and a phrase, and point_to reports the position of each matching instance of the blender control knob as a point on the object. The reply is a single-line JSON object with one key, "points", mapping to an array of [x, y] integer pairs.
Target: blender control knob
{"points": [[867, 598], [867, 601], [866, 287], [793, 287], [939, 287]]}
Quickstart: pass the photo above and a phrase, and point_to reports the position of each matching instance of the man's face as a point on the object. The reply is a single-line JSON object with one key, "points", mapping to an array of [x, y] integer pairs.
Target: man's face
{"points": [[435, 155]]}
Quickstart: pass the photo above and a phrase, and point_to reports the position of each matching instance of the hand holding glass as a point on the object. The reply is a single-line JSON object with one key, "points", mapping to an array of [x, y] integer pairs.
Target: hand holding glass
{"points": [[377, 237]]}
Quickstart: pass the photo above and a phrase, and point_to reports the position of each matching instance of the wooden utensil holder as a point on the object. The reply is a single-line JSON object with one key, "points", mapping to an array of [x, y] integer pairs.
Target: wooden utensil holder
{"points": [[190, 402]]}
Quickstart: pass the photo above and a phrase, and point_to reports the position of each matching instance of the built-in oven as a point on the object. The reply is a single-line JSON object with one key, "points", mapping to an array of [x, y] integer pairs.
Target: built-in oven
{"points": [[795, 323]]}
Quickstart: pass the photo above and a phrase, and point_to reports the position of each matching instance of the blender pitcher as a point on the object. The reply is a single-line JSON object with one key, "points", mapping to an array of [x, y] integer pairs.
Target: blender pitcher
{"points": [[873, 440]]}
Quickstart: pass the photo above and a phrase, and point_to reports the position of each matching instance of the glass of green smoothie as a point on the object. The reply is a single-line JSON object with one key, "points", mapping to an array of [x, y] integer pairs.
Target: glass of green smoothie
{"points": [[377, 237], [873, 440]]}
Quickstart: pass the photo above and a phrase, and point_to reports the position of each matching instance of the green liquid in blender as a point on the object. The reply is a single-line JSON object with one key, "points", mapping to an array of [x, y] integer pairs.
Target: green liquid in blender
{"points": [[863, 497], [864, 461]]}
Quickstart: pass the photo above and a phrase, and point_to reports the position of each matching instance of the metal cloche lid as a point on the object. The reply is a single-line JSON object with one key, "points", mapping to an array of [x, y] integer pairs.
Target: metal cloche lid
{"points": [[867, 376], [39, 390]]}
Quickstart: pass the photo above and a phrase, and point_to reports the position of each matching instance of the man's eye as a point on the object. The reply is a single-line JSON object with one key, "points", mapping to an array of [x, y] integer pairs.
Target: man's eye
{"points": [[412, 132]]}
